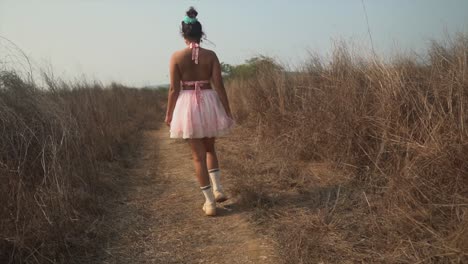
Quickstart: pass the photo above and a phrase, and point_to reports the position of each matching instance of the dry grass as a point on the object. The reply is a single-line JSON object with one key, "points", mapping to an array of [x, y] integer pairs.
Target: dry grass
{"points": [[54, 143], [358, 160]]}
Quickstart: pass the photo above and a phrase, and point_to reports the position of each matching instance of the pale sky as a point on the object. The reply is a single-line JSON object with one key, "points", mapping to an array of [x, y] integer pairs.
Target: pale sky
{"points": [[130, 41]]}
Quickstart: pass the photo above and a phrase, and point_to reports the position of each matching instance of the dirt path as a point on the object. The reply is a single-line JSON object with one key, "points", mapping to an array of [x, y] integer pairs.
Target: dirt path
{"points": [[160, 220]]}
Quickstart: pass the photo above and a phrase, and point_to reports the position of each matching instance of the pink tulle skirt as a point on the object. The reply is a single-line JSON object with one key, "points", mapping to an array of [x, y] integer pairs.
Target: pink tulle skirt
{"points": [[199, 115]]}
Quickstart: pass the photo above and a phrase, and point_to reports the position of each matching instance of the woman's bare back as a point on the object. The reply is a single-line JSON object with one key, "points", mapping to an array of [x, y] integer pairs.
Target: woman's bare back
{"points": [[189, 71], [183, 67]]}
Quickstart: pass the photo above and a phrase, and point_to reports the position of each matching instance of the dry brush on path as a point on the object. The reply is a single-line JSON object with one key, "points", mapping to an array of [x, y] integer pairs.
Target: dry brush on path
{"points": [[59, 149], [355, 159]]}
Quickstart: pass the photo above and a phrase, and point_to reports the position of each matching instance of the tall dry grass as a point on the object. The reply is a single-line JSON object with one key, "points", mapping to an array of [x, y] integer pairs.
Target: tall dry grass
{"points": [[358, 160], [53, 142]]}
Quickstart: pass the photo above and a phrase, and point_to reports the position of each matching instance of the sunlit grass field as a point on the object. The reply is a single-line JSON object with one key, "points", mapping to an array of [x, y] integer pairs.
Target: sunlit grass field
{"points": [[351, 159], [354, 158]]}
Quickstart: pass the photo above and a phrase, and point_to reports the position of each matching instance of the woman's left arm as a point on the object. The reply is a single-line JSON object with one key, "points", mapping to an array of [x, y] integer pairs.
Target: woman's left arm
{"points": [[174, 89]]}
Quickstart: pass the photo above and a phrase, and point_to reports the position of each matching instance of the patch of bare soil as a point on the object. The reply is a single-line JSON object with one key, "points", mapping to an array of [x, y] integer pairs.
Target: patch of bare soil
{"points": [[160, 220]]}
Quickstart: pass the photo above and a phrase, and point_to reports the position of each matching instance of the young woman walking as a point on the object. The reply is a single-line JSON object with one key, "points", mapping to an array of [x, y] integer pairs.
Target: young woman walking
{"points": [[195, 111]]}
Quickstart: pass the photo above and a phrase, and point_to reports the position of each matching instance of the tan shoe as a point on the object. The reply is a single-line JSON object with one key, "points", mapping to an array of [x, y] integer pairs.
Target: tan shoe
{"points": [[209, 209], [220, 196]]}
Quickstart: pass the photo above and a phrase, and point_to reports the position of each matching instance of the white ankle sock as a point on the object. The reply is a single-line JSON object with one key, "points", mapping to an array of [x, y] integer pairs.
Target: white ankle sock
{"points": [[209, 196], [215, 176]]}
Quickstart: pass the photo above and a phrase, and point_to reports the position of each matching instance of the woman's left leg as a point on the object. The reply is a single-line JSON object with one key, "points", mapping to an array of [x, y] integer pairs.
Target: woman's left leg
{"points": [[199, 160]]}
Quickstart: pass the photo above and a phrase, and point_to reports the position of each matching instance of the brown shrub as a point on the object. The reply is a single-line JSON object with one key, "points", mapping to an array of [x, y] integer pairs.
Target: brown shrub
{"points": [[51, 146], [390, 137]]}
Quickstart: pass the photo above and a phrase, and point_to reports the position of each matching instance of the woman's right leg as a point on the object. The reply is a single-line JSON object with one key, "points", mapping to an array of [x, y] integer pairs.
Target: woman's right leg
{"points": [[211, 158], [213, 169]]}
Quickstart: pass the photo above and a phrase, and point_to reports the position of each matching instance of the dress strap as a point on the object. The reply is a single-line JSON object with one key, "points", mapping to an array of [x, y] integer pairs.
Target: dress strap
{"points": [[195, 51], [197, 85], [192, 83]]}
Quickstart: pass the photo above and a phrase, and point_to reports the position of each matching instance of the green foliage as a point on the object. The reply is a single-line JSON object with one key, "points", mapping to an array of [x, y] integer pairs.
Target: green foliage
{"points": [[250, 68], [226, 69]]}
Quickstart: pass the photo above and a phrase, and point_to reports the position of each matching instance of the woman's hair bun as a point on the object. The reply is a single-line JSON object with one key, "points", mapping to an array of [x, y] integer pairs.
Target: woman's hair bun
{"points": [[191, 28], [192, 13]]}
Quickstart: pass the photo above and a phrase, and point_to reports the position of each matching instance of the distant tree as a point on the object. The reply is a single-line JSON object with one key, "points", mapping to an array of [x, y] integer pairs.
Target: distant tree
{"points": [[250, 67], [226, 69], [263, 61]]}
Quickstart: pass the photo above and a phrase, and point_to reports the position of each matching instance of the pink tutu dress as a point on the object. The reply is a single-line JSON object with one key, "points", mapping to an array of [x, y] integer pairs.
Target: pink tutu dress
{"points": [[198, 112]]}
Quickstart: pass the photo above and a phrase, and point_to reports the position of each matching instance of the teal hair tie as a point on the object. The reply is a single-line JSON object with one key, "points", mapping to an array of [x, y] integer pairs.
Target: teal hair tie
{"points": [[190, 20]]}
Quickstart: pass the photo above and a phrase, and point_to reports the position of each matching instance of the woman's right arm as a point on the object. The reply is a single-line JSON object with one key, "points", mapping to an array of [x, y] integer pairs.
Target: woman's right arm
{"points": [[217, 80], [174, 89]]}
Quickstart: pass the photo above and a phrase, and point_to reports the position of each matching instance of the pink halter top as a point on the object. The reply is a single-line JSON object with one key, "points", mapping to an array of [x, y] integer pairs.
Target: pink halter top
{"points": [[195, 50], [195, 47]]}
